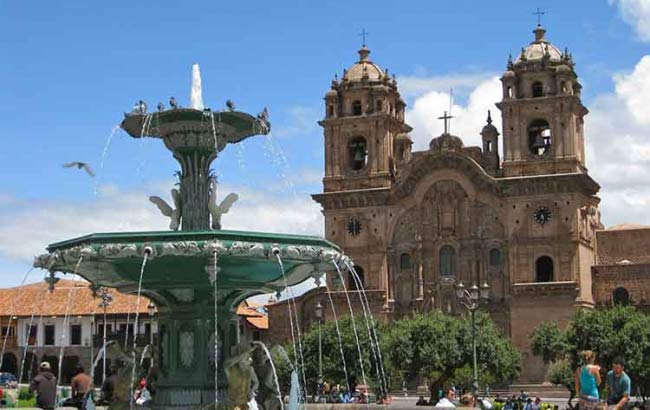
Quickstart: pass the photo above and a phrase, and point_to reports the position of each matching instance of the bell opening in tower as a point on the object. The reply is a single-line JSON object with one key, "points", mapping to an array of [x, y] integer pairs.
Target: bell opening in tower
{"points": [[539, 137], [358, 153]]}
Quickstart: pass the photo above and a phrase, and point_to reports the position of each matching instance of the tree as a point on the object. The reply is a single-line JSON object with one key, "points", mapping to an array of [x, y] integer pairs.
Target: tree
{"points": [[334, 371], [439, 348], [619, 331]]}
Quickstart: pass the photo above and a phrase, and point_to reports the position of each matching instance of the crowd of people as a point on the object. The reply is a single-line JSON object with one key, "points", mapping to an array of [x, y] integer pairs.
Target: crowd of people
{"points": [[588, 384], [44, 385]]}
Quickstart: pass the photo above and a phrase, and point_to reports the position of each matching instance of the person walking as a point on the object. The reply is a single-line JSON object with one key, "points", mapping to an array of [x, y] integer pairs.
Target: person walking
{"points": [[44, 385], [587, 380], [618, 385]]}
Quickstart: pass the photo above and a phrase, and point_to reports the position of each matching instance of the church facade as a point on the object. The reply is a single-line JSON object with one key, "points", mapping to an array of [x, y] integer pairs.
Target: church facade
{"points": [[521, 220]]}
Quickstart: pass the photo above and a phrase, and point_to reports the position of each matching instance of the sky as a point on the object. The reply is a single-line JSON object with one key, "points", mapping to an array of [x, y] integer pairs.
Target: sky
{"points": [[68, 71]]}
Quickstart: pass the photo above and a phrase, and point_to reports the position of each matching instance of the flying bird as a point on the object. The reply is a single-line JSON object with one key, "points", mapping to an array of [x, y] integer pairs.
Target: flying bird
{"points": [[230, 105], [174, 214], [172, 103], [80, 165], [218, 210]]}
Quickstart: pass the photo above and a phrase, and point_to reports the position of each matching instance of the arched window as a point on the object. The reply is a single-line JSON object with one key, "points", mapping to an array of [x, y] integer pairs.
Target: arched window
{"points": [[509, 92], [621, 296], [356, 107], [447, 261], [538, 89], [495, 257], [358, 152], [405, 261], [330, 110], [544, 269], [352, 284], [539, 137]]}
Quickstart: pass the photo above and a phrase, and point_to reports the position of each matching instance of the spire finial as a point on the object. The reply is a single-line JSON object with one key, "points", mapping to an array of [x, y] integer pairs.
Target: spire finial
{"points": [[489, 118], [363, 34], [539, 14]]}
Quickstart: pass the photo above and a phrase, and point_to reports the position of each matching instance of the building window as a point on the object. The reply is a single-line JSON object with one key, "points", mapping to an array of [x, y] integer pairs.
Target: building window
{"points": [[358, 153], [539, 137], [447, 261], [330, 110], [31, 332], [621, 297], [100, 329], [7, 331], [544, 269], [75, 335], [49, 335], [509, 92], [352, 284], [495, 257], [538, 89], [256, 335], [379, 105], [405, 261], [356, 107], [488, 146]]}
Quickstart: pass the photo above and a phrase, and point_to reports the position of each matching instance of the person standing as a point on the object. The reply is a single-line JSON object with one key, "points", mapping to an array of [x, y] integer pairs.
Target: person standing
{"points": [[44, 385], [587, 380], [618, 385]]}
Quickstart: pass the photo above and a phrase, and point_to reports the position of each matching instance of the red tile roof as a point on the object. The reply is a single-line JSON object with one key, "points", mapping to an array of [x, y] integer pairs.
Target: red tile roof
{"points": [[252, 312], [35, 298]]}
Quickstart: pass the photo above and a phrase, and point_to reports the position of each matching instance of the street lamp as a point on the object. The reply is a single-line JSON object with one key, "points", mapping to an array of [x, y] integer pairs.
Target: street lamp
{"points": [[471, 299], [151, 309], [318, 312], [106, 298]]}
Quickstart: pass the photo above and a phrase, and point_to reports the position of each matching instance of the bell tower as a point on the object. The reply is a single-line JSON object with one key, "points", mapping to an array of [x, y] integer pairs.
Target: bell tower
{"points": [[542, 114], [364, 128]]}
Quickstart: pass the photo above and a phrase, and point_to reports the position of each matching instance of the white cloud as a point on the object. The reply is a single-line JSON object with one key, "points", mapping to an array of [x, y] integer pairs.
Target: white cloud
{"points": [[618, 148], [634, 89], [29, 226], [637, 14], [468, 119]]}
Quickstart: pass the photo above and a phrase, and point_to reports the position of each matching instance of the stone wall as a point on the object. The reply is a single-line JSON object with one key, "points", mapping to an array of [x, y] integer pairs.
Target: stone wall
{"points": [[634, 278], [279, 323], [616, 245]]}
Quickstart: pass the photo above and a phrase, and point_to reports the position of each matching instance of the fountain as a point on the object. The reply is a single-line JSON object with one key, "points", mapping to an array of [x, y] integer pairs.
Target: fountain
{"points": [[178, 269]]}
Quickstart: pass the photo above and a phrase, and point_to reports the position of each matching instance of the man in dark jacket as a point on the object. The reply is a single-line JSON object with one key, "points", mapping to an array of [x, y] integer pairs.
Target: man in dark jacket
{"points": [[44, 384]]}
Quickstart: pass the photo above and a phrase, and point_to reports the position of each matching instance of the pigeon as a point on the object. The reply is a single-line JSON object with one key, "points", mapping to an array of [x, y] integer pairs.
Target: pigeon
{"points": [[218, 210], [174, 214], [230, 105], [143, 107], [80, 165], [172, 103], [161, 107]]}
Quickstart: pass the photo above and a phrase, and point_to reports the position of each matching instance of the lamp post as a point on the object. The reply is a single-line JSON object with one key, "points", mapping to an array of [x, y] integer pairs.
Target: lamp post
{"points": [[151, 310], [106, 298], [471, 299], [318, 311]]}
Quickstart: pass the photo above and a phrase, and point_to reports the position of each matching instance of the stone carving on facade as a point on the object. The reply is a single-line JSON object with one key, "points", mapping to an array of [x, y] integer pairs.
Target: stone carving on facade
{"points": [[406, 228], [589, 222]]}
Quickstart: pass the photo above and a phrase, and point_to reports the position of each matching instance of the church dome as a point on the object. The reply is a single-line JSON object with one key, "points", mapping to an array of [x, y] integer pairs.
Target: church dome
{"points": [[539, 49], [364, 68]]}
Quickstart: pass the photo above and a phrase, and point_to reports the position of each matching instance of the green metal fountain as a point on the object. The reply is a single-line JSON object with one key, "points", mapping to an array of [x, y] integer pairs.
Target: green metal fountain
{"points": [[181, 266]]}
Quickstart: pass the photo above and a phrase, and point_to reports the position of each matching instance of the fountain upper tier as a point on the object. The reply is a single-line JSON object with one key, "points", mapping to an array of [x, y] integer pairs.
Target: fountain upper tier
{"points": [[187, 128], [247, 260]]}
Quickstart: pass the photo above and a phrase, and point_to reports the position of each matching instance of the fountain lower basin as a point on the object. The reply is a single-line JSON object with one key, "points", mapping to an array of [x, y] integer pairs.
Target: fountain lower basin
{"points": [[178, 276]]}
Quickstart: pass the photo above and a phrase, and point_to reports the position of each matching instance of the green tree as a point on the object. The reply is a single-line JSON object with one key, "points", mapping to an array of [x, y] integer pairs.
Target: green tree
{"points": [[439, 347], [619, 331], [333, 370]]}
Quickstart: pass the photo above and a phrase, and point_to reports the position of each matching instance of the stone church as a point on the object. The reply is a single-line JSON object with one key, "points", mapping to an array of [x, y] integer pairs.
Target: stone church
{"points": [[520, 213]]}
